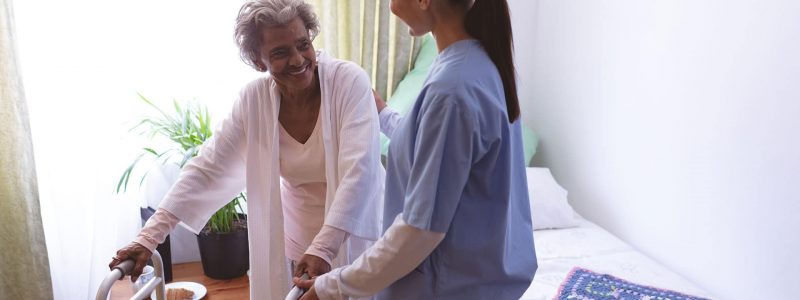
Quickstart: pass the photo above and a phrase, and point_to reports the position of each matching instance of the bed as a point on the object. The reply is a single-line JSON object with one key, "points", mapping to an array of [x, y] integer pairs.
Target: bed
{"points": [[564, 240]]}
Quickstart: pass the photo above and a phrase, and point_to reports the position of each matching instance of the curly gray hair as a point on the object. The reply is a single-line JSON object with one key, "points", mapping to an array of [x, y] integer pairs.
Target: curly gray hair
{"points": [[255, 15]]}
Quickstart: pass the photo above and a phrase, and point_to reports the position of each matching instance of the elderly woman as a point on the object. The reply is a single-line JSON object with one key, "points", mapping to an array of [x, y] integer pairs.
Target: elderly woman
{"points": [[303, 140]]}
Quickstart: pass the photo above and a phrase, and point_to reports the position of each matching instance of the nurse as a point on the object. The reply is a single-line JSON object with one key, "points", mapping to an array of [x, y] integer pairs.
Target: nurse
{"points": [[455, 186]]}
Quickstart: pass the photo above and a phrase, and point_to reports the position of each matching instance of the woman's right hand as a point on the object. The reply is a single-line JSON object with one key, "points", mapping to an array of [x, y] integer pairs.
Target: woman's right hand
{"points": [[135, 251]]}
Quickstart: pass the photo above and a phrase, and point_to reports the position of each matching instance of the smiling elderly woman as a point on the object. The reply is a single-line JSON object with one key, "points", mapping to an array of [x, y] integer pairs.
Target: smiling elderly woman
{"points": [[303, 140]]}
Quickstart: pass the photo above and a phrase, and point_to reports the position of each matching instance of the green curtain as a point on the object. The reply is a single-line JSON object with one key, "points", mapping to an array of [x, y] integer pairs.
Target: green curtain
{"points": [[24, 269], [366, 32]]}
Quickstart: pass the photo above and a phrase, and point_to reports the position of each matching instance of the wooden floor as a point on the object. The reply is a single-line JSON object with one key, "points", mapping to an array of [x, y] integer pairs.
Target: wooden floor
{"points": [[233, 289]]}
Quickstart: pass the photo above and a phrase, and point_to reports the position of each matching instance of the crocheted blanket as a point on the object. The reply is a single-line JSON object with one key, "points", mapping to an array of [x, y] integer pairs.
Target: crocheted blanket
{"points": [[582, 284]]}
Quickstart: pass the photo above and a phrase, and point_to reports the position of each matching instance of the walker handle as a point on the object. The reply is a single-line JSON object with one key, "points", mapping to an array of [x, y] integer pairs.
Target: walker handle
{"points": [[296, 291], [125, 268]]}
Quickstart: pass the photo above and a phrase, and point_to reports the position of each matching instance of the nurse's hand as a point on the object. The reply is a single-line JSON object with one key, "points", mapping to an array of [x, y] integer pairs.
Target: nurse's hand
{"points": [[138, 253], [311, 264], [378, 101]]}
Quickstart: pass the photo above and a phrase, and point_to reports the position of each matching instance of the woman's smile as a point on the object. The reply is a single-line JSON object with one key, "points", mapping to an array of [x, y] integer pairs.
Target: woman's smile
{"points": [[300, 71]]}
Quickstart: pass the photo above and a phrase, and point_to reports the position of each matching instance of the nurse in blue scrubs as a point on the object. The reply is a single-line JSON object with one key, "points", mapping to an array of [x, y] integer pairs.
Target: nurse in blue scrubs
{"points": [[457, 217]]}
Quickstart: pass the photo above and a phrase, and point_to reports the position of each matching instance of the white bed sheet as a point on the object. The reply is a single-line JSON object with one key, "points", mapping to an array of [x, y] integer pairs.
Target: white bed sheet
{"points": [[592, 247]]}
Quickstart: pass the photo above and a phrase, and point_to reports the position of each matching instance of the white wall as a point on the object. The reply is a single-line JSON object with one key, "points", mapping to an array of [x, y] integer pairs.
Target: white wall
{"points": [[675, 125]]}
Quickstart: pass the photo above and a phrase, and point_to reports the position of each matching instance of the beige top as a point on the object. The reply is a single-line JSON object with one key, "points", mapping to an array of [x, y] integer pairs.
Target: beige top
{"points": [[302, 169], [303, 187]]}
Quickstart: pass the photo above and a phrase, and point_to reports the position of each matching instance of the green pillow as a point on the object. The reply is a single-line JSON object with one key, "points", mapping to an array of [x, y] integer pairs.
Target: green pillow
{"points": [[408, 89], [529, 142]]}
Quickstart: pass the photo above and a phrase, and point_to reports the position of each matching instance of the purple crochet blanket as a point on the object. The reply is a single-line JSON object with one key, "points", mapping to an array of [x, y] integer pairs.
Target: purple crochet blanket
{"points": [[582, 284]]}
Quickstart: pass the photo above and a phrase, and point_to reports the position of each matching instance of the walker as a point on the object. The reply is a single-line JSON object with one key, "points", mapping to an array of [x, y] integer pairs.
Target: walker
{"points": [[296, 292], [155, 284]]}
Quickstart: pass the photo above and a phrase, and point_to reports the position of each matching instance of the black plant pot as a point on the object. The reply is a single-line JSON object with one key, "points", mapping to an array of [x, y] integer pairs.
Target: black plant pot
{"points": [[224, 256]]}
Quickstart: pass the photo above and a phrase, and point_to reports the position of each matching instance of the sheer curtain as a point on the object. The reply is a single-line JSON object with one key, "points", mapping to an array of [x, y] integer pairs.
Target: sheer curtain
{"points": [[366, 32], [24, 269], [83, 61]]}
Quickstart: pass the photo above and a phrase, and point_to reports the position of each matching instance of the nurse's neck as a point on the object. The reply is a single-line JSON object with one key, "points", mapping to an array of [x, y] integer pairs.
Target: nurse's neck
{"points": [[448, 28]]}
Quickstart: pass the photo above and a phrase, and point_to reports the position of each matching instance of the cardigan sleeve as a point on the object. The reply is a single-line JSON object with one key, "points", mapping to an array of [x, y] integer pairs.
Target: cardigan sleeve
{"points": [[390, 119], [355, 207], [216, 175]]}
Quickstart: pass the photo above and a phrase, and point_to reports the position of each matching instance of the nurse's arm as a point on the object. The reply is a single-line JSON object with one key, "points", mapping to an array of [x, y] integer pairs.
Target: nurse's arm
{"points": [[401, 249], [389, 118]]}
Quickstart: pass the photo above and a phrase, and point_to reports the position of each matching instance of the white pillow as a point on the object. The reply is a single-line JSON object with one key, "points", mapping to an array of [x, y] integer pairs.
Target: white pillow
{"points": [[549, 207]]}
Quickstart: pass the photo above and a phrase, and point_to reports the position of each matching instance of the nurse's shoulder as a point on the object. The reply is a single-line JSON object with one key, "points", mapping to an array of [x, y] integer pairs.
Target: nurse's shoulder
{"points": [[465, 71]]}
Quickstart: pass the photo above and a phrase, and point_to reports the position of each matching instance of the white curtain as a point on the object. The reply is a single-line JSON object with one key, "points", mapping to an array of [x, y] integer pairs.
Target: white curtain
{"points": [[24, 269], [83, 61]]}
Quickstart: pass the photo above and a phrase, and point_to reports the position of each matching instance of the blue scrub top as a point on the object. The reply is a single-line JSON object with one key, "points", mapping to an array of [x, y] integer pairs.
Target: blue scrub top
{"points": [[456, 165]]}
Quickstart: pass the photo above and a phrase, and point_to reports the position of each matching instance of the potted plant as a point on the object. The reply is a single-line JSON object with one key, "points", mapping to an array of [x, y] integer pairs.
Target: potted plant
{"points": [[223, 241]]}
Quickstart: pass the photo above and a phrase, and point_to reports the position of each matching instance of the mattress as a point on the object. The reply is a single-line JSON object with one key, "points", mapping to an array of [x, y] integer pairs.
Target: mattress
{"points": [[592, 247]]}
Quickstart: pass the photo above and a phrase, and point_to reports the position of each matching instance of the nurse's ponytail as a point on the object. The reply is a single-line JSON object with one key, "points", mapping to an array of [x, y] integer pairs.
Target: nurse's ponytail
{"points": [[489, 22]]}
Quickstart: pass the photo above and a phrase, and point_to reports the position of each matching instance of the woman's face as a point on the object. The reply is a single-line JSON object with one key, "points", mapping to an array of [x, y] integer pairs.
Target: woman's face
{"points": [[287, 53], [414, 13]]}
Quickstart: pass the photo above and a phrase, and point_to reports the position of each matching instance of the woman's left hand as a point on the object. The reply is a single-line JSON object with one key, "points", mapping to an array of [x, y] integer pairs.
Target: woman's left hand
{"points": [[311, 294], [312, 265], [308, 285]]}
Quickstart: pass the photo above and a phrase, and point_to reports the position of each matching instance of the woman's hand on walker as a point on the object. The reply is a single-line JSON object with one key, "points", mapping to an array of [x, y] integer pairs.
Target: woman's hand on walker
{"points": [[308, 285], [138, 253], [310, 295], [311, 264]]}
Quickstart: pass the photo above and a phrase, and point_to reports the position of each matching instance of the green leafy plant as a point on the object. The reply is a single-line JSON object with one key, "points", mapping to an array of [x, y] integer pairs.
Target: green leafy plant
{"points": [[187, 127]]}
